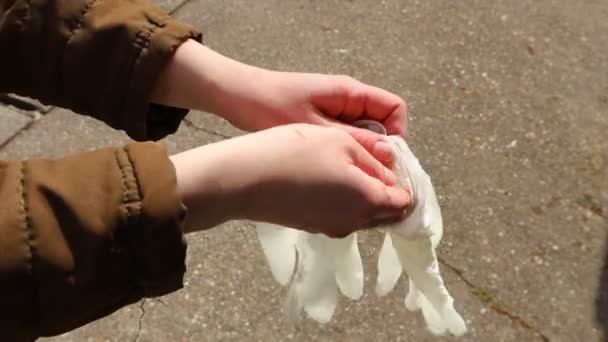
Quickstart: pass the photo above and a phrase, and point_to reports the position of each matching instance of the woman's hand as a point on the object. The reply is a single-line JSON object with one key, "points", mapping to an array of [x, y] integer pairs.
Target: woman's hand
{"points": [[253, 99], [302, 176], [277, 98]]}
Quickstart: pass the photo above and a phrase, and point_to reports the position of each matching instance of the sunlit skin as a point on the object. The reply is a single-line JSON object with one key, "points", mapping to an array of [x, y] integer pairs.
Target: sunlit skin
{"points": [[312, 169]]}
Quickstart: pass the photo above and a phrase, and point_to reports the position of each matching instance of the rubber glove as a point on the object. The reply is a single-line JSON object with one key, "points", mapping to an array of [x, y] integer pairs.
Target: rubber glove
{"points": [[410, 245], [321, 265]]}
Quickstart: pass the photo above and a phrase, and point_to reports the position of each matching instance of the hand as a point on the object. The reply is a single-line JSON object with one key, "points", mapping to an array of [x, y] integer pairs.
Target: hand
{"points": [[302, 176], [252, 98], [276, 98]]}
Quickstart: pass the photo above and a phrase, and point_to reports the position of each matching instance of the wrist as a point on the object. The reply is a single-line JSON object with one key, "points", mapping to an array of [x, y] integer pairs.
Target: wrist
{"points": [[207, 187], [195, 188], [229, 86]]}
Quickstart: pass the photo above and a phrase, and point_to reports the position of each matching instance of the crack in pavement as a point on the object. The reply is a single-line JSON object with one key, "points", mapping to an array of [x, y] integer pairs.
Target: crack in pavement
{"points": [[483, 295], [31, 109], [178, 7], [160, 301], [190, 124], [141, 317], [10, 139]]}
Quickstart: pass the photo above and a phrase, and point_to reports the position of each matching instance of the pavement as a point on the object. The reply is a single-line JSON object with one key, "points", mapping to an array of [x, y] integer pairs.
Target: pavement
{"points": [[509, 115]]}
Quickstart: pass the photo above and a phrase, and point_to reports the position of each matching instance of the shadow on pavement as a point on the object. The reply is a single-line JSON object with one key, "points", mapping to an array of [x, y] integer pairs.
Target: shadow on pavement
{"points": [[601, 301]]}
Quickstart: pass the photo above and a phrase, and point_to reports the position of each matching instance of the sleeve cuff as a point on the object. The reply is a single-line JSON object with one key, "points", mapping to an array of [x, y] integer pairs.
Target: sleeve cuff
{"points": [[147, 121], [156, 240]]}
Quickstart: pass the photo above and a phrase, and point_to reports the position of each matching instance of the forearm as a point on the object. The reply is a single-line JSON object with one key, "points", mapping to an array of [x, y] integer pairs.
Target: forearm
{"points": [[199, 78]]}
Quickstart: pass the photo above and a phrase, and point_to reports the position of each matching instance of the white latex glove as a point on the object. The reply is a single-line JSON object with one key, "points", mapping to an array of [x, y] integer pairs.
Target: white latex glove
{"points": [[323, 263], [411, 245]]}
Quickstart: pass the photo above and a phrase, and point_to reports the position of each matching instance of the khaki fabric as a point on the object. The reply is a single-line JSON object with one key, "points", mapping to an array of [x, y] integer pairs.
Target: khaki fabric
{"points": [[82, 236]]}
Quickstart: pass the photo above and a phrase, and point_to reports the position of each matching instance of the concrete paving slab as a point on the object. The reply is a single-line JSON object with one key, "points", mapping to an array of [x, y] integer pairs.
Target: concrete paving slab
{"points": [[230, 295], [63, 132], [508, 113], [12, 123], [211, 124], [60, 133], [25, 105], [169, 5]]}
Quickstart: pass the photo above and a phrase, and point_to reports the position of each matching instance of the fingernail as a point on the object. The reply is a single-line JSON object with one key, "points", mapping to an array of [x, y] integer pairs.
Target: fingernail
{"points": [[401, 198], [383, 151]]}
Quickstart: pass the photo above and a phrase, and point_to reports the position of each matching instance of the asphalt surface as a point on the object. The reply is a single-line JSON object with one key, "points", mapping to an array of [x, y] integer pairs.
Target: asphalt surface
{"points": [[509, 115]]}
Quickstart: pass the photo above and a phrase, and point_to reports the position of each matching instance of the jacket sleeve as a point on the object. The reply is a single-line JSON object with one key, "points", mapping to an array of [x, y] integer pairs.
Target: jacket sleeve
{"points": [[82, 236], [96, 57]]}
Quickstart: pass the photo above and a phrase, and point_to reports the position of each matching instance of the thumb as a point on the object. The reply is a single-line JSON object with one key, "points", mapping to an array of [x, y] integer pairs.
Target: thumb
{"points": [[388, 202], [378, 184]]}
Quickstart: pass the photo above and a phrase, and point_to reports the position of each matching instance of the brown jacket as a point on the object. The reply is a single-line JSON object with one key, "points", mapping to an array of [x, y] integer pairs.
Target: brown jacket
{"points": [[82, 236]]}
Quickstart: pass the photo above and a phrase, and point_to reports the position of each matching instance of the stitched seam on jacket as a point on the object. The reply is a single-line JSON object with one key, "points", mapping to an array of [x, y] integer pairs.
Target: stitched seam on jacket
{"points": [[142, 41], [122, 178], [80, 19], [24, 14], [132, 164], [27, 227], [132, 211], [130, 220]]}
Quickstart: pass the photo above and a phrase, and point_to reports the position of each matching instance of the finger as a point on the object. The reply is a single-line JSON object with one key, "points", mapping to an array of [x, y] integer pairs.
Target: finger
{"points": [[376, 104], [380, 103], [387, 204], [354, 102], [396, 123], [387, 201], [390, 197], [347, 99], [330, 96], [372, 142], [372, 166], [360, 100], [383, 151]]}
